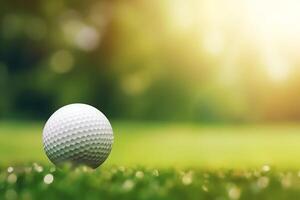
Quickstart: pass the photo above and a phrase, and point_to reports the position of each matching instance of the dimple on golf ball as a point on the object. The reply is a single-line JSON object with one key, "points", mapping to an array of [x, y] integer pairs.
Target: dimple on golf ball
{"points": [[78, 133]]}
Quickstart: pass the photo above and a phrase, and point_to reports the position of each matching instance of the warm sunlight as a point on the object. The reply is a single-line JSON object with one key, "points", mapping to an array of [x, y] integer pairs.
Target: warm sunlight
{"points": [[275, 27], [269, 28]]}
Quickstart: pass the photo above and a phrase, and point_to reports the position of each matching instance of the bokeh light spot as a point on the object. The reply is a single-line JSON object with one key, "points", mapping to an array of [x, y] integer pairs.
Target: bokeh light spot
{"points": [[62, 61], [87, 38], [12, 178], [48, 179]]}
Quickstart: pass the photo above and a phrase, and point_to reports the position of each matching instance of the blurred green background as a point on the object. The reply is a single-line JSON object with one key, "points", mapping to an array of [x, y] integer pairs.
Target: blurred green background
{"points": [[203, 61], [200, 83]]}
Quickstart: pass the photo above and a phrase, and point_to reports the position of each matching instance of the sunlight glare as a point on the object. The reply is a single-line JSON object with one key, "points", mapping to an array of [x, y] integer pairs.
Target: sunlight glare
{"points": [[277, 68], [181, 15], [277, 19], [213, 42], [275, 25]]}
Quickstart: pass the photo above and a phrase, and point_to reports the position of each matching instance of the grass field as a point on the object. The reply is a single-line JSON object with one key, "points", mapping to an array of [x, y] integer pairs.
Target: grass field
{"points": [[155, 161], [165, 145], [44, 182]]}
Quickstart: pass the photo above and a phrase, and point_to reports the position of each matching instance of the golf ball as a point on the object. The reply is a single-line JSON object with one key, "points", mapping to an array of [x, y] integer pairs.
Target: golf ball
{"points": [[78, 133]]}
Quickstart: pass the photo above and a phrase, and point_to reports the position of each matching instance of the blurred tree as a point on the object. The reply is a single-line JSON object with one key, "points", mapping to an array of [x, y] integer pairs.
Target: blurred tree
{"points": [[136, 60]]}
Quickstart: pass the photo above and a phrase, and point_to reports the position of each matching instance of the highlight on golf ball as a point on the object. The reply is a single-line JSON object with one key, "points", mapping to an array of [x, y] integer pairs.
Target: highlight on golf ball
{"points": [[78, 133]]}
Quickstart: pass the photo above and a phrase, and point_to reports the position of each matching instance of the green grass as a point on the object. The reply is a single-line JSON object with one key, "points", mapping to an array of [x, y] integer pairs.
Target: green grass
{"points": [[42, 182], [175, 161], [164, 145]]}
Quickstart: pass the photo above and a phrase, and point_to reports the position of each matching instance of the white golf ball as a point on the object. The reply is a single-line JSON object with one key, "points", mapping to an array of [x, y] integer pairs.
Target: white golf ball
{"points": [[78, 133]]}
